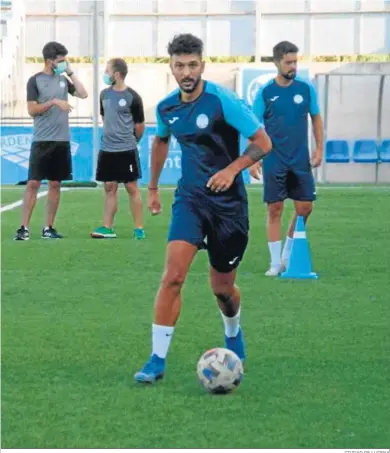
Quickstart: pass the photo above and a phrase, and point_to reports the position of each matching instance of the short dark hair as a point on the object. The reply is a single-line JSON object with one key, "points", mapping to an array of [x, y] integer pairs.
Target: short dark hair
{"points": [[186, 44], [119, 65], [53, 49], [283, 48]]}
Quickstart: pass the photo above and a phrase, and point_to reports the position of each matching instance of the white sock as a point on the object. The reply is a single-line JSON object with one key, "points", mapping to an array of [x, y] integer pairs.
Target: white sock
{"points": [[275, 249], [161, 339], [232, 325], [287, 248]]}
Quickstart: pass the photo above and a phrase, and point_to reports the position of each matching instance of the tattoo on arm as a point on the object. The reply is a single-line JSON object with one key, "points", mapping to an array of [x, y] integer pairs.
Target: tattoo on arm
{"points": [[254, 152]]}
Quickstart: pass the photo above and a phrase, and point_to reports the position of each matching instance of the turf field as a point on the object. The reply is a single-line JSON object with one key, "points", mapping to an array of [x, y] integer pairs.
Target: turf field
{"points": [[76, 320]]}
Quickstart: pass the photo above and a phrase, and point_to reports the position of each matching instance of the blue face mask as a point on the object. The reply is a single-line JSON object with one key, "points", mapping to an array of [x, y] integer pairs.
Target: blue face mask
{"points": [[107, 79], [60, 68]]}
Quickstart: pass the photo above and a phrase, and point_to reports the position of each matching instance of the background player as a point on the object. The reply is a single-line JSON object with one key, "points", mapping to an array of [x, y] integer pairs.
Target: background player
{"points": [[50, 157], [210, 203], [284, 105], [118, 162]]}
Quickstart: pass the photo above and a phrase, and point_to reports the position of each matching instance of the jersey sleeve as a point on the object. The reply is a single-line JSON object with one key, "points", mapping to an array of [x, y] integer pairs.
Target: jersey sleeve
{"points": [[238, 114], [137, 109], [162, 129], [259, 105], [101, 103], [32, 89], [314, 108], [71, 88]]}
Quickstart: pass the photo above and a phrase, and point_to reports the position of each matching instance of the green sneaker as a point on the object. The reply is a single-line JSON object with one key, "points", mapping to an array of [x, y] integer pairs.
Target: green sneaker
{"points": [[104, 233], [139, 233]]}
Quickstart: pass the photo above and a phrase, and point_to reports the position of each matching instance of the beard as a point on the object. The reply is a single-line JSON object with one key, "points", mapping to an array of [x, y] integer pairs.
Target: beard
{"points": [[189, 85], [289, 75]]}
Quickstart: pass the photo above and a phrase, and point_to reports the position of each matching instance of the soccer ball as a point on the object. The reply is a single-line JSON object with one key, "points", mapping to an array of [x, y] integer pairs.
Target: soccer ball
{"points": [[220, 370]]}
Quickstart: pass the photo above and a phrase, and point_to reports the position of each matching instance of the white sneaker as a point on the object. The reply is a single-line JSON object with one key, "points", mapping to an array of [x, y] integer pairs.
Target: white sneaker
{"points": [[273, 271]]}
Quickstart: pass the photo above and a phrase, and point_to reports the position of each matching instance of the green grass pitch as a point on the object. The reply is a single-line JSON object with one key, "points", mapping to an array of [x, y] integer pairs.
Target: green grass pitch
{"points": [[76, 322]]}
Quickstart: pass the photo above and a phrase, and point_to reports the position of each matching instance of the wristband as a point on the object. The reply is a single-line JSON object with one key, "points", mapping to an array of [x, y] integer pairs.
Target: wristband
{"points": [[153, 188]]}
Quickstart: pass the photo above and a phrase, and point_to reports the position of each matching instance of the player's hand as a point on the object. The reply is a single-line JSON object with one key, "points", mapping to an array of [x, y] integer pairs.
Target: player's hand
{"points": [[63, 105], [316, 158], [68, 68], [154, 203], [255, 170], [222, 180]]}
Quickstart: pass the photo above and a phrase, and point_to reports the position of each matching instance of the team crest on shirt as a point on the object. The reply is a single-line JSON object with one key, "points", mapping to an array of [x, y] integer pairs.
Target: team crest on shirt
{"points": [[62, 84], [202, 121], [122, 102], [298, 99]]}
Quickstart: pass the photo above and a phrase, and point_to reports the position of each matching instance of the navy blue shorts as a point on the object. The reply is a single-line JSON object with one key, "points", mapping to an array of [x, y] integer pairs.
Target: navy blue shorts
{"points": [[225, 237], [283, 182]]}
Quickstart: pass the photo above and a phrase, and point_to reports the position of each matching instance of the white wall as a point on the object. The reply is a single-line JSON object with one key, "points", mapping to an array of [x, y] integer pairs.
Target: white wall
{"points": [[342, 32]]}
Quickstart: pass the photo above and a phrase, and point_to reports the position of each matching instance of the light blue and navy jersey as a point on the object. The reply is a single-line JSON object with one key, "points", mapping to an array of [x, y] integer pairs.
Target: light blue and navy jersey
{"points": [[284, 111], [208, 131]]}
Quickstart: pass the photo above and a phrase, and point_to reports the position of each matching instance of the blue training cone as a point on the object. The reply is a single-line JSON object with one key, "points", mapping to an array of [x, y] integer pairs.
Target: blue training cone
{"points": [[299, 265]]}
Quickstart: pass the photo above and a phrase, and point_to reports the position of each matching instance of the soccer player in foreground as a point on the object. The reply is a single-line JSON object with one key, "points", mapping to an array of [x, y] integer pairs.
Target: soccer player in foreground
{"points": [[210, 209], [118, 162], [50, 157], [284, 105]]}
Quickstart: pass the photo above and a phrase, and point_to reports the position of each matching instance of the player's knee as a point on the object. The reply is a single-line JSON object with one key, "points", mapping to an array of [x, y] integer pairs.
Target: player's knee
{"points": [[275, 210], [173, 279], [133, 190], [110, 188], [223, 290], [304, 209], [33, 186], [224, 296], [222, 284], [54, 185]]}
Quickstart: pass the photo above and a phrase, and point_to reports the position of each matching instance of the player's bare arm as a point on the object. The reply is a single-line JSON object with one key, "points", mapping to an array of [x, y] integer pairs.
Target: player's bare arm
{"points": [[260, 145], [34, 108], [318, 131], [159, 156], [255, 169], [80, 92]]}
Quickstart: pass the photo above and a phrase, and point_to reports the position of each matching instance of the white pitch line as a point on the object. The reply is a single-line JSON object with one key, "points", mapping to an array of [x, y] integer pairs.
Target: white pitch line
{"points": [[16, 204]]}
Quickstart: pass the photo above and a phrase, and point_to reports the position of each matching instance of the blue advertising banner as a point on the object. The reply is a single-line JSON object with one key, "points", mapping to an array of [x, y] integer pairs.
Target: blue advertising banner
{"points": [[172, 169], [15, 152]]}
